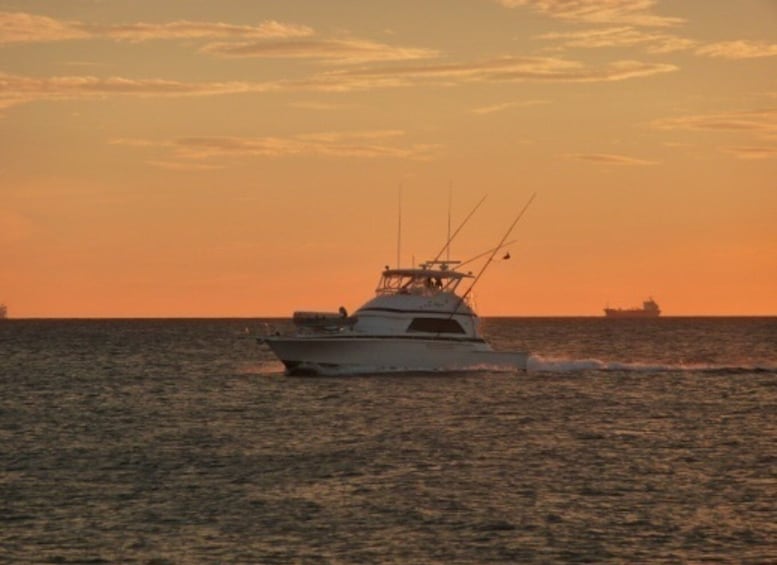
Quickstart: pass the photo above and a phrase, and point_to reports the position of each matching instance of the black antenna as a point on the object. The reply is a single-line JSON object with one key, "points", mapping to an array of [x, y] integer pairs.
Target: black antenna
{"points": [[399, 224], [450, 205], [458, 229]]}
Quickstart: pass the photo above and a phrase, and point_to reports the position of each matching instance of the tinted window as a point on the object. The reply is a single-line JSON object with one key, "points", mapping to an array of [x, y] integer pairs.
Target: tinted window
{"points": [[436, 325]]}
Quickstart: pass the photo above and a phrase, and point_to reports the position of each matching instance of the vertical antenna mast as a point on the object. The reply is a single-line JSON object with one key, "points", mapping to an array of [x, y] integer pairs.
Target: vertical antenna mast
{"points": [[450, 204], [399, 225], [458, 229]]}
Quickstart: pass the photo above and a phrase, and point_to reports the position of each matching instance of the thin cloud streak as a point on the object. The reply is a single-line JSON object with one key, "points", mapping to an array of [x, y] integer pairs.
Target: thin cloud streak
{"points": [[21, 27], [17, 89], [316, 106], [657, 43], [331, 50], [760, 124], [359, 144], [631, 12], [754, 121], [289, 39], [507, 105], [503, 69], [627, 36], [185, 166], [736, 50], [611, 159], [753, 151]]}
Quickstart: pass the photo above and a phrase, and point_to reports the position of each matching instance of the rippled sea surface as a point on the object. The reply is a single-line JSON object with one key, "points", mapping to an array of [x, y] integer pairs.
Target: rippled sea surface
{"points": [[181, 441]]}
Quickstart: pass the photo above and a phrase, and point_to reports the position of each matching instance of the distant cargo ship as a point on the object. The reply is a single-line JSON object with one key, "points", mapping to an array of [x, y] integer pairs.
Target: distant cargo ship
{"points": [[649, 310]]}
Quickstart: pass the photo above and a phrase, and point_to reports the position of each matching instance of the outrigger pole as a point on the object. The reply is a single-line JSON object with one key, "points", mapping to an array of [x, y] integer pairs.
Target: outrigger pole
{"points": [[458, 229], [478, 256], [494, 252]]}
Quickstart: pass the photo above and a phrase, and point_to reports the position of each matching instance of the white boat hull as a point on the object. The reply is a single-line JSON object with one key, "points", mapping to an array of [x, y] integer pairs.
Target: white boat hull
{"points": [[381, 354]]}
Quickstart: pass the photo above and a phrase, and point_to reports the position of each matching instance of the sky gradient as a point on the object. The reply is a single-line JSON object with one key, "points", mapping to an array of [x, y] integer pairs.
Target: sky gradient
{"points": [[244, 157]]}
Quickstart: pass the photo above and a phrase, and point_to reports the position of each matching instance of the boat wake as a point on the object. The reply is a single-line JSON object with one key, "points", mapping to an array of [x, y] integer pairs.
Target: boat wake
{"points": [[540, 364], [535, 364]]}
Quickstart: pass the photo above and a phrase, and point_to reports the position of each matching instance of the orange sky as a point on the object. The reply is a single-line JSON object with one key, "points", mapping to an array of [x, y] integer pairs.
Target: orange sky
{"points": [[243, 157]]}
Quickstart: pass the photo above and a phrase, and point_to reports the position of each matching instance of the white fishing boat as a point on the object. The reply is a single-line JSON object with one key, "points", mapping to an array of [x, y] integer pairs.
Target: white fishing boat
{"points": [[417, 321]]}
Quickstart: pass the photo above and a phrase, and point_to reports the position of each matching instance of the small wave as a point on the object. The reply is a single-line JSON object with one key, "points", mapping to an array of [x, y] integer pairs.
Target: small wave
{"points": [[270, 368], [538, 363]]}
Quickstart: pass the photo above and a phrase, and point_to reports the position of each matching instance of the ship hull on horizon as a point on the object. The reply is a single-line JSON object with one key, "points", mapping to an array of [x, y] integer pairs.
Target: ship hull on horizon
{"points": [[649, 309], [614, 313]]}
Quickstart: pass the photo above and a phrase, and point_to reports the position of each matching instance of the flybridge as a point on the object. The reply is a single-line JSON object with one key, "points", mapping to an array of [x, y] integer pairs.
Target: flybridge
{"points": [[426, 280]]}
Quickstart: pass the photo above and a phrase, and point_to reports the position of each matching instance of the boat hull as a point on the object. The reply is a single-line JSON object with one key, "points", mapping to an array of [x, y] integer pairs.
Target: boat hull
{"points": [[358, 355]]}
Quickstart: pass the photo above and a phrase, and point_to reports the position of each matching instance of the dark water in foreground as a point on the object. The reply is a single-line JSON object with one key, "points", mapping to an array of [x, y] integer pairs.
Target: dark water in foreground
{"points": [[180, 441]]}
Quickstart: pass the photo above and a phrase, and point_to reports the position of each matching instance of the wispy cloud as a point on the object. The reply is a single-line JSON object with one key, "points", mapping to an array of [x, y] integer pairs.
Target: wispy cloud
{"points": [[739, 49], [197, 30], [16, 89], [502, 69], [753, 151], [268, 39], [21, 27], [330, 50], [507, 105], [185, 166], [611, 159], [760, 125], [627, 36], [659, 42], [748, 121], [359, 144], [316, 106], [631, 12]]}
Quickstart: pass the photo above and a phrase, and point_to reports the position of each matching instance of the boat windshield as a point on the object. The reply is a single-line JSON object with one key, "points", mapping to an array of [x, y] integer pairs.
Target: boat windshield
{"points": [[424, 282]]}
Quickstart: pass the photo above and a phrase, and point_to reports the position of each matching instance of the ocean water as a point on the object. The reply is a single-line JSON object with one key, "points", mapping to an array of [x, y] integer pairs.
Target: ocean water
{"points": [[181, 441]]}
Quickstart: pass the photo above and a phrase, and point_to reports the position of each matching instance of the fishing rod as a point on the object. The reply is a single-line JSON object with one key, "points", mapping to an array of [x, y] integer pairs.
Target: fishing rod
{"points": [[491, 258], [484, 253], [458, 229]]}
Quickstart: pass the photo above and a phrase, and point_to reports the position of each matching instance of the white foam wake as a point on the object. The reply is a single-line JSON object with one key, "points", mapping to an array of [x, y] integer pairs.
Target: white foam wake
{"points": [[538, 363]]}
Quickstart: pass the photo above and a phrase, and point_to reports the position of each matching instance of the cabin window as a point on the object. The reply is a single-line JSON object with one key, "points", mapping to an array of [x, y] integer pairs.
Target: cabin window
{"points": [[435, 325]]}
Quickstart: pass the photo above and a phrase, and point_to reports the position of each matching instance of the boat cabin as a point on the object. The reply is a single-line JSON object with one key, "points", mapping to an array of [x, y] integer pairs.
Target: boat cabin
{"points": [[422, 281]]}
